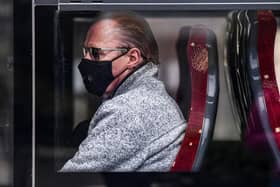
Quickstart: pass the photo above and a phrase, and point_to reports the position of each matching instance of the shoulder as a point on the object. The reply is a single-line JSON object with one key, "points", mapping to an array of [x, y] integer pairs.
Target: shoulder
{"points": [[148, 102], [114, 110], [151, 102]]}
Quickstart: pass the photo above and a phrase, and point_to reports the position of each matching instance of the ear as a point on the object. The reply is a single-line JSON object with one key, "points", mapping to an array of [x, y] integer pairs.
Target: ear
{"points": [[135, 58]]}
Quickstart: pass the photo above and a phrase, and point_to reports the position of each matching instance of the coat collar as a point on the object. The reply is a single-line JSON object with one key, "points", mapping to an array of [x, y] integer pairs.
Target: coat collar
{"points": [[132, 80]]}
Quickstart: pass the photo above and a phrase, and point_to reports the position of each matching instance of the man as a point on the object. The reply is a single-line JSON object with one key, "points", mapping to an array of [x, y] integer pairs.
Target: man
{"points": [[138, 126]]}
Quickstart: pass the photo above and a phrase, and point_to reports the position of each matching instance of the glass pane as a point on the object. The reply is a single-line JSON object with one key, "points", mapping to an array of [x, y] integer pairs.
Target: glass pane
{"points": [[6, 94]]}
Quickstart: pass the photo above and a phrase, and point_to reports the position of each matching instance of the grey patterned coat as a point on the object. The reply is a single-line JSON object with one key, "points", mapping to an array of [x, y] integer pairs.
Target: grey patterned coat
{"points": [[140, 128]]}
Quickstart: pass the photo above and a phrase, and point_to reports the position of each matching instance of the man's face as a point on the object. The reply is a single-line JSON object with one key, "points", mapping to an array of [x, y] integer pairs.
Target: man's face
{"points": [[104, 34]]}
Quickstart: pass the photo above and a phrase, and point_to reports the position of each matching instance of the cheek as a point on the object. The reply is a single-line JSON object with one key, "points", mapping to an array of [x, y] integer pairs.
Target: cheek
{"points": [[114, 69], [118, 67]]}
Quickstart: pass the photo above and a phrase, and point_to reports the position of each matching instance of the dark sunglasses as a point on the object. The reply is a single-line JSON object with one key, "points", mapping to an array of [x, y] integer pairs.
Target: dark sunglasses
{"points": [[95, 52]]}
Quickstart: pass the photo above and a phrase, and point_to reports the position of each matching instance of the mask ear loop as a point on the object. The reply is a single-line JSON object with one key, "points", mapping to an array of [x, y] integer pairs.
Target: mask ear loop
{"points": [[119, 57], [122, 54]]}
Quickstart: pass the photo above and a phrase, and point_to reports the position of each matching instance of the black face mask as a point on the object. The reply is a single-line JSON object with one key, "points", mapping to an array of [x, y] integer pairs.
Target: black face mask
{"points": [[97, 75]]}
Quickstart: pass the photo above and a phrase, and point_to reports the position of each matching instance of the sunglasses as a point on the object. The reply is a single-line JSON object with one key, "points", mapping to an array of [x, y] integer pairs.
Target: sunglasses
{"points": [[95, 52]]}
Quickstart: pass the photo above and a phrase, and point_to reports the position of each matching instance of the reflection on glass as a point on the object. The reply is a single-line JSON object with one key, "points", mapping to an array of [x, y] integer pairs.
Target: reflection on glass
{"points": [[6, 93]]}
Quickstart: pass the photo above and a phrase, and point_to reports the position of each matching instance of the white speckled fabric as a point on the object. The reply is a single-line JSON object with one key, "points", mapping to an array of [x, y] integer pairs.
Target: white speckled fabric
{"points": [[140, 128]]}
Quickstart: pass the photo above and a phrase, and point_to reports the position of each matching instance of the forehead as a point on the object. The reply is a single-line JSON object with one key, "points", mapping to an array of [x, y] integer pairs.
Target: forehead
{"points": [[103, 33]]}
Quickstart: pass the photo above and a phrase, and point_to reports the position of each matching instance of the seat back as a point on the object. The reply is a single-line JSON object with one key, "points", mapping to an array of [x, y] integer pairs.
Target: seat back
{"points": [[197, 94]]}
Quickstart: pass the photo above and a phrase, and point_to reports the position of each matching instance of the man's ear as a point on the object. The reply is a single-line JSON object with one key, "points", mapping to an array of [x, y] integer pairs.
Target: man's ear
{"points": [[135, 58]]}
